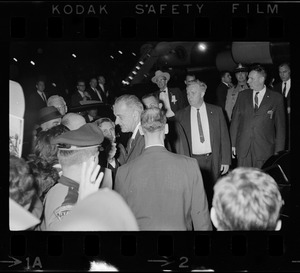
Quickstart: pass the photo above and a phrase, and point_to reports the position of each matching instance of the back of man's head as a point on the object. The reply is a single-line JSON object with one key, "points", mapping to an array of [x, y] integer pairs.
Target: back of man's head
{"points": [[246, 199], [153, 119]]}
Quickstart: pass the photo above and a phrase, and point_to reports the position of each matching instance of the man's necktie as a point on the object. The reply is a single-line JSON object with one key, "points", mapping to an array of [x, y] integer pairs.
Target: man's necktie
{"points": [[284, 90], [256, 102], [200, 126], [44, 97]]}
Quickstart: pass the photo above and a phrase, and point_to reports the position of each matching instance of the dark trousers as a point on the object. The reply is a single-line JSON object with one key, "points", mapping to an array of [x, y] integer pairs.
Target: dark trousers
{"points": [[250, 160], [205, 165]]}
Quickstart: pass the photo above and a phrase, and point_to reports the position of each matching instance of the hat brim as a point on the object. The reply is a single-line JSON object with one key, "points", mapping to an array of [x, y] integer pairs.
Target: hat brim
{"points": [[75, 148], [49, 117]]}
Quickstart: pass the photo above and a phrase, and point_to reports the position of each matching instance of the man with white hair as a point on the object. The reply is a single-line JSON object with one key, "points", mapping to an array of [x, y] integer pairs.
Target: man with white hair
{"points": [[207, 134], [73, 121], [59, 103]]}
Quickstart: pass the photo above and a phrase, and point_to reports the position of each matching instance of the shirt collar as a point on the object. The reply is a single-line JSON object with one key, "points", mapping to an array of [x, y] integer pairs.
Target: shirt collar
{"points": [[135, 130], [154, 145], [260, 91]]}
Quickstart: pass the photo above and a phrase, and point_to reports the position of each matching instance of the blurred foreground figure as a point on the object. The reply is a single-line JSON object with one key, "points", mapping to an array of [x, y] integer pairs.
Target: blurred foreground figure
{"points": [[104, 210], [246, 199], [24, 191]]}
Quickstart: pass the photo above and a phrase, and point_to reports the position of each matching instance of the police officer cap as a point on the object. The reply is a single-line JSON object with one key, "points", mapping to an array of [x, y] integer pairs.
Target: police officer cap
{"points": [[241, 68], [87, 136]]}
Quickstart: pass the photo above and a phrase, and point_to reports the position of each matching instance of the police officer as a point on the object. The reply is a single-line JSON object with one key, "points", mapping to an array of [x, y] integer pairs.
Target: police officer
{"points": [[78, 156]]}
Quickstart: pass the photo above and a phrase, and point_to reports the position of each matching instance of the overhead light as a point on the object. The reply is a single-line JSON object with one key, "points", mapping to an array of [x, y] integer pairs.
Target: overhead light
{"points": [[120, 52], [145, 75], [202, 46], [54, 84], [138, 68], [134, 72], [32, 62], [141, 62], [74, 55], [112, 56], [15, 59], [130, 77], [133, 53]]}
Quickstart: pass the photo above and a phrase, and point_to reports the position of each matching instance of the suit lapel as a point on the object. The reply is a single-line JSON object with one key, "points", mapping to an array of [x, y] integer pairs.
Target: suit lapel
{"points": [[211, 122], [187, 124], [265, 102]]}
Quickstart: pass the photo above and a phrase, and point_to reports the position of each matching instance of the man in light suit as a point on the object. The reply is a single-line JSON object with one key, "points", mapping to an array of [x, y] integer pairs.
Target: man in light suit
{"points": [[127, 110], [172, 98], [258, 122], [284, 88], [209, 139], [164, 190]]}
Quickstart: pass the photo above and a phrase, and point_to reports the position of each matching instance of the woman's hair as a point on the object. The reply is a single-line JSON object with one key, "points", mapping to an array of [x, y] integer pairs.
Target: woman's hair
{"points": [[44, 157], [22, 186]]}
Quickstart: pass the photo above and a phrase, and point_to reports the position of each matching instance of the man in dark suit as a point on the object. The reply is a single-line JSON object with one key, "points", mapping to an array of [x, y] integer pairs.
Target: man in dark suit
{"points": [[94, 91], [172, 98], [221, 92], [258, 122], [103, 88], [164, 190], [206, 131], [127, 110], [36, 101], [80, 94], [284, 88]]}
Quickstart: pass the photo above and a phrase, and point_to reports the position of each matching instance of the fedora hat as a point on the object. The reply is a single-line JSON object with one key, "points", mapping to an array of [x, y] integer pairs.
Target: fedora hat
{"points": [[240, 68], [159, 74], [48, 113]]}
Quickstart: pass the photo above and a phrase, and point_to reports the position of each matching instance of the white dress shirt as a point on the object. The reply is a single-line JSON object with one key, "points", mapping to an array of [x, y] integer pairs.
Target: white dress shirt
{"points": [[260, 96], [288, 87], [198, 147]]}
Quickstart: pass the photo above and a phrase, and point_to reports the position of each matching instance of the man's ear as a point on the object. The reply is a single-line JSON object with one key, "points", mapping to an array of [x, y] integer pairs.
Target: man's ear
{"points": [[141, 130], [166, 128], [278, 225], [213, 217]]}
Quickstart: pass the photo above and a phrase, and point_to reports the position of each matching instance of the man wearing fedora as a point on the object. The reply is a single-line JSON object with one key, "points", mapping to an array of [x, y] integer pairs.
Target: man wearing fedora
{"points": [[241, 74], [172, 98], [77, 153]]}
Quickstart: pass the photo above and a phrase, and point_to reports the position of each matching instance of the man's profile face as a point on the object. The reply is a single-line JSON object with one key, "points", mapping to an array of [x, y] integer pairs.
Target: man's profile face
{"points": [[227, 78], [124, 117]]}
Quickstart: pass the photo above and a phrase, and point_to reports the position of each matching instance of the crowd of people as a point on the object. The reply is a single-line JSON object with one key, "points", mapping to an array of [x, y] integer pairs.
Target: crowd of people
{"points": [[176, 171]]}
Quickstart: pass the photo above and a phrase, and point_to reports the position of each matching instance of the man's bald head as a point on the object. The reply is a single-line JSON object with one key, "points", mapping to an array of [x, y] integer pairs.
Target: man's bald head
{"points": [[73, 121]]}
